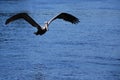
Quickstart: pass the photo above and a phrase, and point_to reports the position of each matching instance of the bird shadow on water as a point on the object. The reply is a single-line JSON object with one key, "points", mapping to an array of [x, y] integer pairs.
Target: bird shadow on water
{"points": [[32, 76], [39, 76], [38, 68]]}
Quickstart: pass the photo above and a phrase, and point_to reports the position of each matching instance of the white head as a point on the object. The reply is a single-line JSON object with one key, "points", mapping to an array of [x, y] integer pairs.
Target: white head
{"points": [[46, 22]]}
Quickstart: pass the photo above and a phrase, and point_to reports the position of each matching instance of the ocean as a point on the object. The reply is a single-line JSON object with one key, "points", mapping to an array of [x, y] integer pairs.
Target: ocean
{"points": [[89, 50]]}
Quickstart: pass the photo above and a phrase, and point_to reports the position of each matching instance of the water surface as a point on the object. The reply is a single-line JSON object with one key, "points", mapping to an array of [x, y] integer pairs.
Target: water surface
{"points": [[89, 50]]}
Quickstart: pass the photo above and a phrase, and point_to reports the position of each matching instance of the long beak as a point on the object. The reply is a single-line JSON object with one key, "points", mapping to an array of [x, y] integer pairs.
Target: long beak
{"points": [[47, 28]]}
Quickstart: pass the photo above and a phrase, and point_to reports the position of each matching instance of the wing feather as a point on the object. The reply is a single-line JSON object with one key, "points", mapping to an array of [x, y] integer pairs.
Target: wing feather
{"points": [[24, 16], [66, 17]]}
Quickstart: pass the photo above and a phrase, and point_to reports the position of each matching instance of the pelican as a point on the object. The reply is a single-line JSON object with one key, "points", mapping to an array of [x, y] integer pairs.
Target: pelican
{"points": [[41, 30]]}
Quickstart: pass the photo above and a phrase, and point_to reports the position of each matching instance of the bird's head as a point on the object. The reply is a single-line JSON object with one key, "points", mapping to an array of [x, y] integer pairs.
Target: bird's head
{"points": [[46, 22]]}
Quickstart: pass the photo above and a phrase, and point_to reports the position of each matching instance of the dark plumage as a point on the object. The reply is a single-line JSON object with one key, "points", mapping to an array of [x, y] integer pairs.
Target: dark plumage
{"points": [[42, 30]]}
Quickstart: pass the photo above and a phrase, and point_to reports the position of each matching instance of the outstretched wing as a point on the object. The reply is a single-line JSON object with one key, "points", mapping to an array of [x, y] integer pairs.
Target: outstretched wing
{"points": [[24, 16], [66, 17]]}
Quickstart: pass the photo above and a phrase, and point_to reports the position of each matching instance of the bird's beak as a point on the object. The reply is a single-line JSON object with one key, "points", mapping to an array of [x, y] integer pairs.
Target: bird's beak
{"points": [[47, 28]]}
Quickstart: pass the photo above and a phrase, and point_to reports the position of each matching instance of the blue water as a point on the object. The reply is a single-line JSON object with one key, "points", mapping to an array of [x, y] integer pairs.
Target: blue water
{"points": [[89, 50]]}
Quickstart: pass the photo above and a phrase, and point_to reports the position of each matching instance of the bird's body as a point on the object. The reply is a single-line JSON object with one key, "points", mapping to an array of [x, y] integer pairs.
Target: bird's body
{"points": [[42, 30]]}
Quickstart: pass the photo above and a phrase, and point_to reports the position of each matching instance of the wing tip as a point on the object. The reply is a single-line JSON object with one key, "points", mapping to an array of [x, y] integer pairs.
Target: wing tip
{"points": [[76, 21], [70, 18], [11, 18], [6, 22]]}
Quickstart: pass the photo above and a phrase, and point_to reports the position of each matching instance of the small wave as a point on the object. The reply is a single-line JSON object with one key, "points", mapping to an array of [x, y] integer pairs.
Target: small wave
{"points": [[103, 58], [102, 63], [6, 14], [71, 43]]}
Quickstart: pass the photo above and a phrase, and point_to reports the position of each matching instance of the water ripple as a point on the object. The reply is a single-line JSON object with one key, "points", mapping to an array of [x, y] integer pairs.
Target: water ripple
{"points": [[102, 63]]}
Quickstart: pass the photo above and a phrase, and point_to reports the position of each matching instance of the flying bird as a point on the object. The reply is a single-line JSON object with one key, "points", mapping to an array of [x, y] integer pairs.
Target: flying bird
{"points": [[41, 30]]}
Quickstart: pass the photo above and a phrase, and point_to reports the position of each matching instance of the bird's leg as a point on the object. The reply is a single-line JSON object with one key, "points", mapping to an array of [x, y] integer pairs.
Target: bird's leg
{"points": [[35, 33]]}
